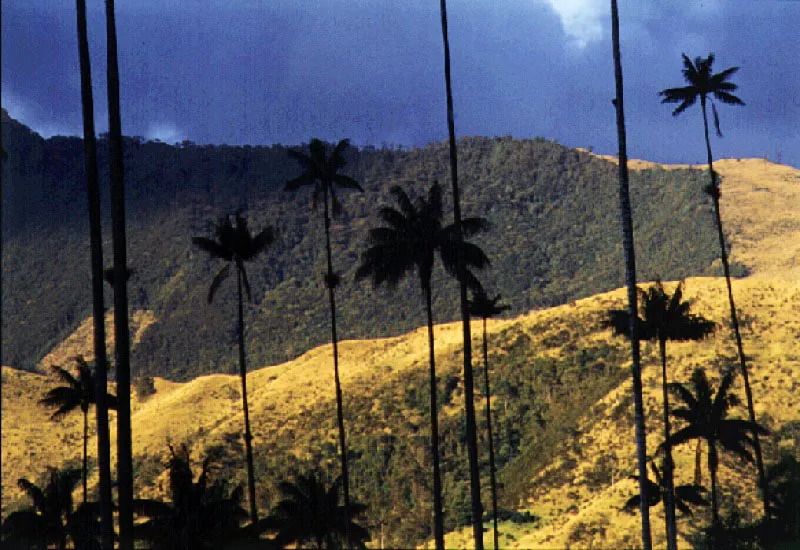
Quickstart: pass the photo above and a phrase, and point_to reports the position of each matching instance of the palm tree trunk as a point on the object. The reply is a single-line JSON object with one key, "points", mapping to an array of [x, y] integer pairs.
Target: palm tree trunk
{"points": [[669, 485], [98, 307], [248, 436], [715, 194], [698, 453], [85, 439], [121, 329], [712, 468], [331, 284], [469, 403], [626, 221], [492, 473], [438, 515]]}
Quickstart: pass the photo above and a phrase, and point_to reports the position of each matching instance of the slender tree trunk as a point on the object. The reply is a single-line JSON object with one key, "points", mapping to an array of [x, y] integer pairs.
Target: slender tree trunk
{"points": [[669, 484], [492, 473], [121, 329], [85, 440], [248, 436], [331, 284], [712, 468], [98, 307], [438, 514], [469, 403], [698, 453], [626, 221], [715, 194]]}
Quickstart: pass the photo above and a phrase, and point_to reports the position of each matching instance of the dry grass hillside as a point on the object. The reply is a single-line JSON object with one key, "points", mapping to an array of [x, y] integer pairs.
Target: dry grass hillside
{"points": [[578, 495]]}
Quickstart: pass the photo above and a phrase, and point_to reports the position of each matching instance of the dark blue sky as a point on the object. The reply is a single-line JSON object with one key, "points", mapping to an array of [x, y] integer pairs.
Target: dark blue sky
{"points": [[267, 71]]}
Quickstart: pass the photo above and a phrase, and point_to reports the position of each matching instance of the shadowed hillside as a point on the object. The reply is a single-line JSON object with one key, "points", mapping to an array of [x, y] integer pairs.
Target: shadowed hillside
{"points": [[554, 238]]}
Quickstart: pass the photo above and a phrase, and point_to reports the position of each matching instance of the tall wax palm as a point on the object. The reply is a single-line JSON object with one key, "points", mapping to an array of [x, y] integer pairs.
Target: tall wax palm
{"points": [[707, 86], [484, 307], [321, 170], [461, 271], [310, 513], [410, 240], [236, 245], [96, 248], [665, 317], [706, 417], [121, 321], [77, 393], [626, 221]]}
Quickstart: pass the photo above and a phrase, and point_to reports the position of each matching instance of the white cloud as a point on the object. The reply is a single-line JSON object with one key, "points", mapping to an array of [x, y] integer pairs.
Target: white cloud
{"points": [[165, 131], [582, 19]]}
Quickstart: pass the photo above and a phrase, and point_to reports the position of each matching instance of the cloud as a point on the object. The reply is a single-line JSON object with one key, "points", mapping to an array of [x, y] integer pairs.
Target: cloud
{"points": [[166, 132], [582, 20]]}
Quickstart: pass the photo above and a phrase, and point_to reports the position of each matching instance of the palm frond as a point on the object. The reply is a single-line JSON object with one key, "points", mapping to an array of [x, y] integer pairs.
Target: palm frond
{"points": [[217, 281], [716, 119], [214, 248], [346, 182]]}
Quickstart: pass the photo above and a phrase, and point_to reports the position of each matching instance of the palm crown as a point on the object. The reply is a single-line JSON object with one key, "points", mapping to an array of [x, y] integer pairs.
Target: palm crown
{"points": [[702, 82], [322, 171], [663, 317], [484, 307], [78, 393], [234, 244], [685, 495], [412, 236], [310, 512], [706, 416]]}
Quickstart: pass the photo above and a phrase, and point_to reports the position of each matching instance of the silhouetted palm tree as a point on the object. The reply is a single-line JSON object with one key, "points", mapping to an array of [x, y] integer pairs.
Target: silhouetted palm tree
{"points": [[626, 222], [310, 513], [121, 327], [706, 416], [96, 247], [201, 515], [685, 495], [78, 393], [47, 522], [236, 245], [461, 271], [322, 172], [484, 307], [707, 86], [664, 317], [412, 237]]}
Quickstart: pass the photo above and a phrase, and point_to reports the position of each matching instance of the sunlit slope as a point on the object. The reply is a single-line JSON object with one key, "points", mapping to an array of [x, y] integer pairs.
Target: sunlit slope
{"points": [[580, 493]]}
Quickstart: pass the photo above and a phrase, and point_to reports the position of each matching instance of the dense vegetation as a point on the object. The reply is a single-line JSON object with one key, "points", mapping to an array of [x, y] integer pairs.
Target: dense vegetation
{"points": [[554, 239]]}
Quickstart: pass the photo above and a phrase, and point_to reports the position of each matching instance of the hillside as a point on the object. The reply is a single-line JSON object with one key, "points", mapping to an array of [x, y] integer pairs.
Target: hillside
{"points": [[554, 238], [562, 405], [565, 464]]}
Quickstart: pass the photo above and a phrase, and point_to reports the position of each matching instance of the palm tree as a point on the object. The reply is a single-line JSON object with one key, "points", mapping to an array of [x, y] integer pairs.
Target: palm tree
{"points": [[235, 244], [121, 328], [47, 522], [685, 495], [77, 393], [626, 221], [322, 172], [484, 307], [310, 513], [96, 247], [202, 515], [706, 417], [664, 317], [461, 271], [411, 239], [704, 84]]}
